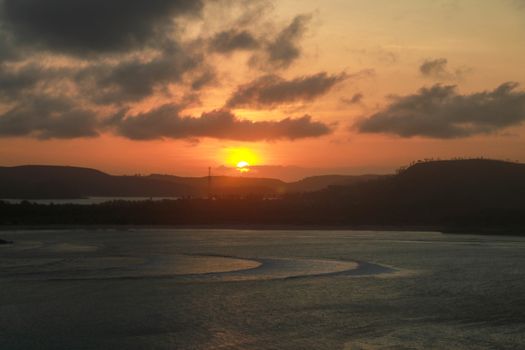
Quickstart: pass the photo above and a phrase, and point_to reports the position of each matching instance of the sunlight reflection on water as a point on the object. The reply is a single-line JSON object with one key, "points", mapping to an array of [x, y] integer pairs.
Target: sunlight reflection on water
{"points": [[227, 289]]}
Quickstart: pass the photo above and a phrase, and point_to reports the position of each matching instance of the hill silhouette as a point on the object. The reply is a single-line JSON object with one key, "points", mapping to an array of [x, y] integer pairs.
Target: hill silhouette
{"points": [[228, 185], [317, 183], [41, 181], [481, 183], [456, 195], [436, 192]]}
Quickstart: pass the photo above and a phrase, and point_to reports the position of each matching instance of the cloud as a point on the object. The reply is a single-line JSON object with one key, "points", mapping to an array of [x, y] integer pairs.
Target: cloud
{"points": [[440, 112], [285, 49], [355, 99], [271, 51], [145, 59], [281, 51], [437, 69], [15, 82], [167, 122], [134, 79], [205, 78], [7, 49], [45, 117], [84, 26], [271, 90], [66, 65], [233, 40]]}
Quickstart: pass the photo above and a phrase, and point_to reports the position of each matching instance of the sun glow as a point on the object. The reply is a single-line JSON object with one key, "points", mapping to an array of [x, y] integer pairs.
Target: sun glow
{"points": [[243, 166], [241, 157]]}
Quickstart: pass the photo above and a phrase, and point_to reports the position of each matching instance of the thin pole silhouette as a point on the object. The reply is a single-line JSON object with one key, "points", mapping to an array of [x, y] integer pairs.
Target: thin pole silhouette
{"points": [[209, 182]]}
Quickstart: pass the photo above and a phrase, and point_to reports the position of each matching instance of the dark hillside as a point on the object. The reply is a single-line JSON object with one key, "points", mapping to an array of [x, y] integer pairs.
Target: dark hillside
{"points": [[34, 181]]}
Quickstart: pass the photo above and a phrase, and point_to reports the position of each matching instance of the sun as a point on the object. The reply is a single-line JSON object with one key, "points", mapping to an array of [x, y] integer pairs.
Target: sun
{"points": [[243, 166], [241, 158]]}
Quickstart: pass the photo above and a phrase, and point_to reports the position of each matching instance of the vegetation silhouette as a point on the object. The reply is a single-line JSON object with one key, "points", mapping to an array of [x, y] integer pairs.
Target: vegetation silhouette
{"points": [[454, 195]]}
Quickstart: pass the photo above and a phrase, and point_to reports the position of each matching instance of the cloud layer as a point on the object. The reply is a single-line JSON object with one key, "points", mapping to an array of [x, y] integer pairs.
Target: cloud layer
{"points": [[45, 117], [233, 40], [73, 69], [167, 122], [271, 90], [84, 26], [441, 112]]}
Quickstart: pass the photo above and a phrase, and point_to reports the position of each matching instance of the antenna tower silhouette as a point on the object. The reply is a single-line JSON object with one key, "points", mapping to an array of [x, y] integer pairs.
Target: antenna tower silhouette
{"points": [[209, 182]]}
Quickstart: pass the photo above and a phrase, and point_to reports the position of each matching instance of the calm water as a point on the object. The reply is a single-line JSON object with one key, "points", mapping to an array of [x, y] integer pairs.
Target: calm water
{"points": [[227, 289]]}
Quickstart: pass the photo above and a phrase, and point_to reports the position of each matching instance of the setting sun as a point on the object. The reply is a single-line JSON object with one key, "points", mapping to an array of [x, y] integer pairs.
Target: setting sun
{"points": [[241, 158], [243, 166]]}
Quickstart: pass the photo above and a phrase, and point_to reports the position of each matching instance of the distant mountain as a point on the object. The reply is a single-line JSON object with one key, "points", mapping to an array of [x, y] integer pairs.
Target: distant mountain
{"points": [[460, 195], [41, 181], [228, 185], [224, 185], [317, 183]]}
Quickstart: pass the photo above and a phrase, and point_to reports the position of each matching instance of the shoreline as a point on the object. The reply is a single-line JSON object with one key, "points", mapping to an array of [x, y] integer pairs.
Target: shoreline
{"points": [[255, 227], [494, 231]]}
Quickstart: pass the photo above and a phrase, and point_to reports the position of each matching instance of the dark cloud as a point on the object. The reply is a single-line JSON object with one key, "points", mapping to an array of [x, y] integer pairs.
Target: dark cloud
{"points": [[15, 82], [272, 90], [440, 112], [135, 79], [64, 64], [284, 49], [355, 99], [205, 78], [82, 26], [277, 51], [233, 40], [435, 68], [48, 117], [7, 50], [438, 69], [167, 122]]}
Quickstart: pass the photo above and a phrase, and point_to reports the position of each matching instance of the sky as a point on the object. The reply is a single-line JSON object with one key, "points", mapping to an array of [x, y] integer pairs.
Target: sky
{"points": [[291, 88]]}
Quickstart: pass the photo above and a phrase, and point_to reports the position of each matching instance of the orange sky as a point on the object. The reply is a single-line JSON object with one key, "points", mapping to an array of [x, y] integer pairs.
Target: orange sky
{"points": [[380, 45]]}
